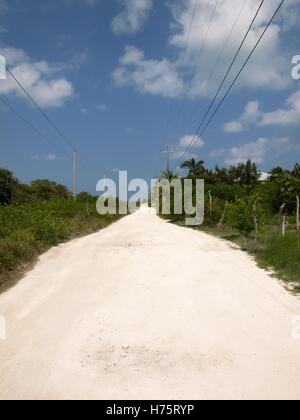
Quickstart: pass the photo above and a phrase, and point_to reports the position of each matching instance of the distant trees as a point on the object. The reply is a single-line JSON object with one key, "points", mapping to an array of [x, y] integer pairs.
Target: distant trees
{"points": [[85, 197], [246, 174], [296, 171], [14, 192], [223, 175], [236, 197], [7, 183], [43, 189], [194, 168], [168, 175]]}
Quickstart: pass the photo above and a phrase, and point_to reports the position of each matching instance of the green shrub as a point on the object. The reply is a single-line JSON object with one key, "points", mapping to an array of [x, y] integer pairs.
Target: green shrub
{"points": [[29, 229]]}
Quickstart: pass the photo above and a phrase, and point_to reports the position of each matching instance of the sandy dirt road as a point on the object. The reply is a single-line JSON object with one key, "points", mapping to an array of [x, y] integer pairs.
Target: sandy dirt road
{"points": [[148, 310]]}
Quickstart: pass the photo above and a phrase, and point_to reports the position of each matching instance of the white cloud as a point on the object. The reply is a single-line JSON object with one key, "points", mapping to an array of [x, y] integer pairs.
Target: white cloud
{"points": [[233, 127], [284, 116], [157, 77], [250, 115], [102, 108], [198, 75], [258, 150], [37, 77], [267, 68], [134, 14], [253, 114], [184, 143], [255, 151], [50, 157], [83, 110]]}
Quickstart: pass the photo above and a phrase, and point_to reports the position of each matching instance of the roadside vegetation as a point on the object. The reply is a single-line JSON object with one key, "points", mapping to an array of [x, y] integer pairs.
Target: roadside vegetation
{"points": [[35, 217], [261, 215]]}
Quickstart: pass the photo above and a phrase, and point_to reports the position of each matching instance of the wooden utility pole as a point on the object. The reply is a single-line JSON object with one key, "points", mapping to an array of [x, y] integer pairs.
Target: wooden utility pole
{"points": [[168, 152], [75, 173], [281, 210]]}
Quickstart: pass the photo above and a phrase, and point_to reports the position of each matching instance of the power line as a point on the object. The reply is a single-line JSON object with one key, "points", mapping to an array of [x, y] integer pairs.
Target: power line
{"points": [[223, 81], [30, 125], [215, 66], [205, 39], [181, 105], [171, 110], [237, 76], [59, 132], [243, 67]]}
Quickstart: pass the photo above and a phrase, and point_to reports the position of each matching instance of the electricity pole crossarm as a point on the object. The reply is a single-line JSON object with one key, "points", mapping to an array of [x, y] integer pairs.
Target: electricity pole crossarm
{"points": [[168, 152]]}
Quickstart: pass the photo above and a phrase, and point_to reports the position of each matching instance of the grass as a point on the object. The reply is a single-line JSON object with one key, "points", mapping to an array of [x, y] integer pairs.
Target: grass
{"points": [[281, 256], [28, 230]]}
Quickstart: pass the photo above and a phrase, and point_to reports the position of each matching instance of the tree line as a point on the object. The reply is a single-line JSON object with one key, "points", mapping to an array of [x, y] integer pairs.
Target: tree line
{"points": [[238, 197]]}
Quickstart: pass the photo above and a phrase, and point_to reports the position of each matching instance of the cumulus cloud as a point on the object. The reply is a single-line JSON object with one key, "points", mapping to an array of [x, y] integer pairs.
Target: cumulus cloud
{"points": [[266, 69], [184, 143], [284, 116], [157, 77], [132, 17], [258, 150], [250, 115], [253, 114], [37, 77], [199, 75], [233, 127]]}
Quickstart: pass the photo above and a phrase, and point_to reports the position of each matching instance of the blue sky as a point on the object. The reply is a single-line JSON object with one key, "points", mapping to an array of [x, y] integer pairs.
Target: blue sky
{"points": [[119, 82]]}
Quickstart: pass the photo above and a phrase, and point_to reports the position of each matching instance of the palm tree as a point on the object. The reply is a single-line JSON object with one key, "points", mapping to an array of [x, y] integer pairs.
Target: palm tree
{"points": [[296, 171], [169, 175], [249, 175], [195, 168]]}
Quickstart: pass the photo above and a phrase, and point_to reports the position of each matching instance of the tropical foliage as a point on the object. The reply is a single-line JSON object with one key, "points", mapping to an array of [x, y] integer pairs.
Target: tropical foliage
{"points": [[241, 207], [37, 216]]}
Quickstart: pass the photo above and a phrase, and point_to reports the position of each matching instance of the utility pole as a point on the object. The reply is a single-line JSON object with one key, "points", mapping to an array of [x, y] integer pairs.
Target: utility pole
{"points": [[168, 152], [75, 173]]}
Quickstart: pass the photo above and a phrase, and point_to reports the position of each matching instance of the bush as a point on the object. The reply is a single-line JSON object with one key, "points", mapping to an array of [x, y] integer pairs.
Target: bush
{"points": [[26, 230], [240, 215]]}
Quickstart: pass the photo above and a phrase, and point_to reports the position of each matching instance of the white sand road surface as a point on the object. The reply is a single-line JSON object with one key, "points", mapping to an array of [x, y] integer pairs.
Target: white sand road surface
{"points": [[148, 310]]}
